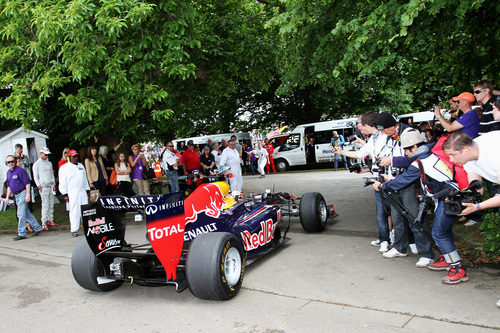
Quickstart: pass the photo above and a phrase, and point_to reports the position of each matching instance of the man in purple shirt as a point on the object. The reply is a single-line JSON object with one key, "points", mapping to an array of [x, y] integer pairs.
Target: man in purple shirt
{"points": [[18, 183], [468, 122]]}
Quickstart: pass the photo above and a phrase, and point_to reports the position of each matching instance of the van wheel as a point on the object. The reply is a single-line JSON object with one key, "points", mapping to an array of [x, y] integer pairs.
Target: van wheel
{"points": [[313, 212], [281, 165]]}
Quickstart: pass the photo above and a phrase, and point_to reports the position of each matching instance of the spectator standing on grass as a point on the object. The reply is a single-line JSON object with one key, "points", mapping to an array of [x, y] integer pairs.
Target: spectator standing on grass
{"points": [[138, 163], [18, 184], [74, 185], [96, 172], [64, 158], [123, 171], [216, 152], [22, 160], [109, 165], [43, 175]]}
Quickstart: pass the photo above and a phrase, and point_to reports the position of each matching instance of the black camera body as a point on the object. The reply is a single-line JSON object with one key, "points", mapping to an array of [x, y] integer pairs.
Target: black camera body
{"points": [[453, 206], [355, 168]]}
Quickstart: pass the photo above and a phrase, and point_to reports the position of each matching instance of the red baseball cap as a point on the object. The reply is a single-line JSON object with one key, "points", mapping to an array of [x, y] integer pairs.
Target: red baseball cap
{"points": [[465, 96], [72, 152]]}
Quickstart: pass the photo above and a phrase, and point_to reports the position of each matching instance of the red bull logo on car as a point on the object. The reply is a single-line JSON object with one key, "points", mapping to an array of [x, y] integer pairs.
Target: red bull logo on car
{"points": [[253, 241], [208, 198]]}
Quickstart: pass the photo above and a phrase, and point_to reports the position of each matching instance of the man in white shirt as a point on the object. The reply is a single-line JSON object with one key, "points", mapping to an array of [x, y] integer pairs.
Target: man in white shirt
{"points": [[43, 175], [231, 158], [171, 164], [74, 186]]}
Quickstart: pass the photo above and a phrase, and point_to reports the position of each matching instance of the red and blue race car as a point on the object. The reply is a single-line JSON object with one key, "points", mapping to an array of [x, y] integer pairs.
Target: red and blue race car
{"points": [[202, 242]]}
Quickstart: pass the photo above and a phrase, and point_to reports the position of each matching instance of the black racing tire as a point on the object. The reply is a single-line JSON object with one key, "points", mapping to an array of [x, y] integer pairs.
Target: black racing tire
{"points": [[313, 212], [86, 267], [215, 266], [281, 165]]}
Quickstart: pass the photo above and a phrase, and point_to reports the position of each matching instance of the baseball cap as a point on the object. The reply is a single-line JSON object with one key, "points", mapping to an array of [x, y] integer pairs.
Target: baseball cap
{"points": [[411, 138], [385, 120], [190, 142], [466, 96], [206, 147], [45, 150], [72, 152]]}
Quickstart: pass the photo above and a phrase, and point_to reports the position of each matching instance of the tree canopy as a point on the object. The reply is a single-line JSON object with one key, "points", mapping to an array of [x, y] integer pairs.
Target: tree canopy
{"points": [[161, 69]]}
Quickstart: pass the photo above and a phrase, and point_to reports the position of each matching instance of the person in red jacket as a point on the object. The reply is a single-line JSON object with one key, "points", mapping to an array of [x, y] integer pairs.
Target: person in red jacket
{"points": [[270, 150]]}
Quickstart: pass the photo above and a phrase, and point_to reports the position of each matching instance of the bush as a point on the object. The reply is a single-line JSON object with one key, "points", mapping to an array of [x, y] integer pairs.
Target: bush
{"points": [[490, 230]]}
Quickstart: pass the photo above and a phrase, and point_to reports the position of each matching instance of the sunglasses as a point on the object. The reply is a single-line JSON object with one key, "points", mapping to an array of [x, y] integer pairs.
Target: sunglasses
{"points": [[170, 146], [9, 162], [480, 90]]}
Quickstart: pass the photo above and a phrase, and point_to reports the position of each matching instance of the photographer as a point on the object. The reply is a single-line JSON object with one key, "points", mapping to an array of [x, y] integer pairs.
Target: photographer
{"points": [[395, 163], [480, 159], [374, 146], [434, 176]]}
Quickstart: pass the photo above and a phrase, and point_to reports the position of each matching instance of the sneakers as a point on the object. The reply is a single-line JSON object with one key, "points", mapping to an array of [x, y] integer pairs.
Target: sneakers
{"points": [[375, 242], [384, 247], [36, 233], [413, 248], [440, 265], [424, 262], [19, 238], [471, 223], [44, 227], [52, 224], [456, 275], [74, 234], [393, 253]]}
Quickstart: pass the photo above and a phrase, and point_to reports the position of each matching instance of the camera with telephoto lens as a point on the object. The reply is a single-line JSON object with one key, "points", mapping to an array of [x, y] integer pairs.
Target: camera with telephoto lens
{"points": [[453, 204], [351, 138], [380, 169]]}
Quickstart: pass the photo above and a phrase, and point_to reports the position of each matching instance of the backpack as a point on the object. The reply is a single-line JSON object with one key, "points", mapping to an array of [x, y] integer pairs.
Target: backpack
{"points": [[459, 174]]}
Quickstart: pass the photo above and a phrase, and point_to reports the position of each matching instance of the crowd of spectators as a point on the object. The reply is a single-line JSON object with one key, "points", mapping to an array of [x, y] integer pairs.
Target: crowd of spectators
{"points": [[414, 163]]}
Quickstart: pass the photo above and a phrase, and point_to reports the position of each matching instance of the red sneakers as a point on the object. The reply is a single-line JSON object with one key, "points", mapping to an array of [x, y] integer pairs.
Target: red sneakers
{"points": [[456, 275], [52, 224], [440, 265], [44, 227]]}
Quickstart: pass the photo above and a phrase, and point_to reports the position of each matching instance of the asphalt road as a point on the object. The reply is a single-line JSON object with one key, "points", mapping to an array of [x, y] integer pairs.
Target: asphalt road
{"points": [[329, 282]]}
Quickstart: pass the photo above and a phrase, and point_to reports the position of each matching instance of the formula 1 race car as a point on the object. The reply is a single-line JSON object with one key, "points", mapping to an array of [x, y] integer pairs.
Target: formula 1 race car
{"points": [[202, 242]]}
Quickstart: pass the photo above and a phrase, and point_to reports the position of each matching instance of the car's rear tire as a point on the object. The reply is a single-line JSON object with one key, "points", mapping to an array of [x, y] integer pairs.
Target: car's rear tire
{"points": [[86, 267], [313, 212], [215, 266], [281, 165]]}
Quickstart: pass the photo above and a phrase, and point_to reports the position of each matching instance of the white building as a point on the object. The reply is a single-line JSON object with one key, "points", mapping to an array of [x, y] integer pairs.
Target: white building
{"points": [[31, 141]]}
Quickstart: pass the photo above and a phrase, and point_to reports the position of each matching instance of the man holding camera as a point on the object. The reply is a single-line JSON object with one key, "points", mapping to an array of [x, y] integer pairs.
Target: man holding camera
{"points": [[434, 176], [337, 140], [395, 163], [374, 146]]}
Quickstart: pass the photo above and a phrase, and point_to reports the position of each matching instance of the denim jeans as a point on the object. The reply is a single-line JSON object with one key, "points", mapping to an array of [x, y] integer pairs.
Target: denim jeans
{"points": [[24, 215], [336, 161], [382, 217], [253, 167], [441, 230], [173, 180], [403, 229]]}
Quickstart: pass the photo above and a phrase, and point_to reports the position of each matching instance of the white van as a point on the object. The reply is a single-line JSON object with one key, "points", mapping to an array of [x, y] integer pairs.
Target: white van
{"points": [[203, 140], [293, 151]]}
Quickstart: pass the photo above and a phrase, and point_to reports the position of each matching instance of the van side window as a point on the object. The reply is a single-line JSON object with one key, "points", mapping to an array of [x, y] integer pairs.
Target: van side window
{"points": [[292, 142], [322, 137]]}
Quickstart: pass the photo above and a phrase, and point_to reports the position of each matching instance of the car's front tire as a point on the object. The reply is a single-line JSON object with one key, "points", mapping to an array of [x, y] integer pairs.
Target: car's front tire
{"points": [[313, 212], [215, 266], [86, 267]]}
